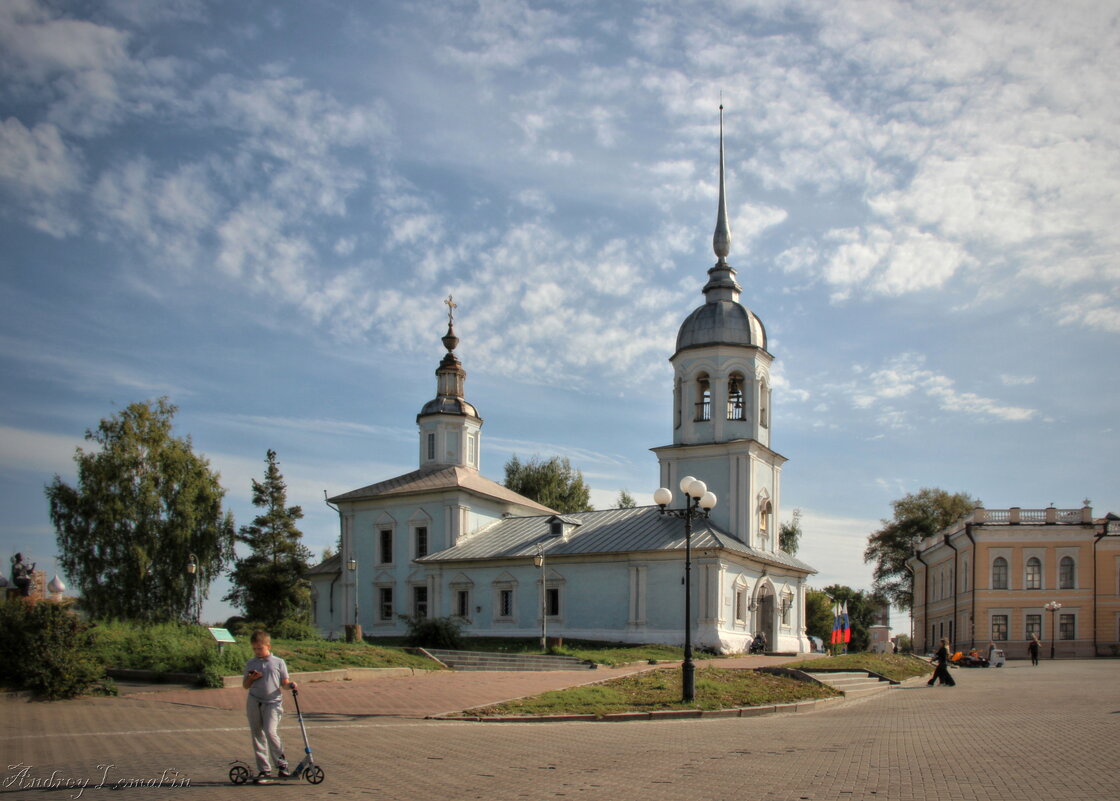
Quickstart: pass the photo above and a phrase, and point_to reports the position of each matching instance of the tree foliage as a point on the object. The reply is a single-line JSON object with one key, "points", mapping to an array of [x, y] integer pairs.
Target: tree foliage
{"points": [[552, 483], [789, 534], [624, 500], [818, 615], [49, 650], [268, 584], [916, 516], [862, 609], [144, 503]]}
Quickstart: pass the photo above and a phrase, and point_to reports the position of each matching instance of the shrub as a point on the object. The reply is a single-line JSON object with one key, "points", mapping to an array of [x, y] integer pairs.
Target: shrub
{"points": [[433, 632], [47, 649], [284, 630]]}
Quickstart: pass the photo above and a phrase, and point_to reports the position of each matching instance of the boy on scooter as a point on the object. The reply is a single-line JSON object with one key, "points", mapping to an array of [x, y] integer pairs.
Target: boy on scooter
{"points": [[264, 675]]}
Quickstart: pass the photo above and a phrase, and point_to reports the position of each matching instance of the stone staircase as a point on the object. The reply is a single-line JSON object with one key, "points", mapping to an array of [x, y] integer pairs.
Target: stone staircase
{"points": [[482, 660], [853, 683]]}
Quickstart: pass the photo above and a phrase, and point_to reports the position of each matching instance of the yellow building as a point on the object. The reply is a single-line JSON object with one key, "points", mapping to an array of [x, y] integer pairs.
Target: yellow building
{"points": [[1001, 575]]}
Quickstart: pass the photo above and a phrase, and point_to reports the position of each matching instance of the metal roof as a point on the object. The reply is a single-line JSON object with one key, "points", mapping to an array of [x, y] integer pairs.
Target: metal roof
{"points": [[435, 478], [611, 531]]}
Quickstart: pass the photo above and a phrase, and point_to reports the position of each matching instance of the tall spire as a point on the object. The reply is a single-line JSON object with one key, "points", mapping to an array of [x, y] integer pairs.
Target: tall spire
{"points": [[721, 240]]}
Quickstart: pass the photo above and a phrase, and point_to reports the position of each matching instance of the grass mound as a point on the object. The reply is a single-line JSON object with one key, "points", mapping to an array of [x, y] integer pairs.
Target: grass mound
{"points": [[894, 666]]}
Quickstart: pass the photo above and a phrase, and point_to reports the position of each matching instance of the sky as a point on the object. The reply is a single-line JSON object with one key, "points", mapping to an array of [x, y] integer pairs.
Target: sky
{"points": [[257, 209]]}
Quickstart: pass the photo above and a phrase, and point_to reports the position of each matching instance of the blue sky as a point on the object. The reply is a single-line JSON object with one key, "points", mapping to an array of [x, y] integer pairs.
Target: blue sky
{"points": [[257, 208]]}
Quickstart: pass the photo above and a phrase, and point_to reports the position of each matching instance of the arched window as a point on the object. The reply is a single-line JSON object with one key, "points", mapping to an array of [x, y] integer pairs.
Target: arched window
{"points": [[736, 405], [765, 517], [1034, 574], [764, 405], [1067, 573], [999, 573], [703, 398], [677, 403]]}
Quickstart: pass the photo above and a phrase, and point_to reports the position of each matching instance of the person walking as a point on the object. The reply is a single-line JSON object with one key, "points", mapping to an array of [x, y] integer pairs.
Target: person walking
{"points": [[1033, 647], [942, 659]]}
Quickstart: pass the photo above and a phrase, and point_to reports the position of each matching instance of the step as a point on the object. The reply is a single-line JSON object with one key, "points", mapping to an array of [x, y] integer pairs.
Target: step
{"points": [[852, 683], [484, 660]]}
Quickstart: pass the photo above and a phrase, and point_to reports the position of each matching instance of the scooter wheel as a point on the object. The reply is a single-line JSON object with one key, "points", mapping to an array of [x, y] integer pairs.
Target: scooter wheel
{"points": [[314, 774], [239, 774]]}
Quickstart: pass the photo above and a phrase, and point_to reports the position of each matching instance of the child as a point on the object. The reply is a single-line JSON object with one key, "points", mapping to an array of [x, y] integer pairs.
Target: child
{"points": [[264, 675]]}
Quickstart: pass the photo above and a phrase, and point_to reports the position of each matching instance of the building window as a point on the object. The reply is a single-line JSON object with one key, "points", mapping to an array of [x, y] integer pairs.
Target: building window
{"points": [[736, 406], [765, 513], [703, 398], [1034, 574], [999, 573], [431, 447], [419, 602], [552, 601], [463, 603], [505, 603], [472, 450], [1034, 626], [787, 605], [999, 628], [764, 406], [385, 546], [421, 541], [740, 606], [964, 577], [1066, 627], [1067, 577], [384, 603]]}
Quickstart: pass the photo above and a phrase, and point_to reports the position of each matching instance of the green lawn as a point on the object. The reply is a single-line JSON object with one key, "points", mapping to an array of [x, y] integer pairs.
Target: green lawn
{"points": [[894, 666], [604, 653], [716, 688]]}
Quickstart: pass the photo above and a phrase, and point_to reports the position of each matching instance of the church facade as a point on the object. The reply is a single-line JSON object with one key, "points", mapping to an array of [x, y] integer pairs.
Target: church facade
{"points": [[444, 541]]}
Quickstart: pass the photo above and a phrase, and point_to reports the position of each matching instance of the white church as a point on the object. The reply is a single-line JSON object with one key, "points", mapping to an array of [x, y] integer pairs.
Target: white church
{"points": [[445, 541]]}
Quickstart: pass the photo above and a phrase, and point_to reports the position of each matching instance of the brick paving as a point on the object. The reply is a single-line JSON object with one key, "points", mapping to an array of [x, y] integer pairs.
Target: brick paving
{"points": [[1050, 732]]}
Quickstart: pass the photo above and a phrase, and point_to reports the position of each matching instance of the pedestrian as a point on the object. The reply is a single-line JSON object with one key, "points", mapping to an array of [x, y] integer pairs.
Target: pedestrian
{"points": [[991, 650], [942, 659], [1033, 647], [264, 675]]}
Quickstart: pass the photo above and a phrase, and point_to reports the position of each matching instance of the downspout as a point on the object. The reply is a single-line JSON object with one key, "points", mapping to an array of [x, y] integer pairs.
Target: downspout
{"points": [[925, 600], [972, 609], [953, 587], [330, 595]]}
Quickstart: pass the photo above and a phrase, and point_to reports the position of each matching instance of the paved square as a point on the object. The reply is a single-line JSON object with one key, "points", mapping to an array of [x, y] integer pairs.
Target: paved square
{"points": [[1051, 732]]}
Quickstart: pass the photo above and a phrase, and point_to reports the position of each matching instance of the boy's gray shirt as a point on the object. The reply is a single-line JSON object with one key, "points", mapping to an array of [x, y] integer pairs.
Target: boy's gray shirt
{"points": [[273, 670]]}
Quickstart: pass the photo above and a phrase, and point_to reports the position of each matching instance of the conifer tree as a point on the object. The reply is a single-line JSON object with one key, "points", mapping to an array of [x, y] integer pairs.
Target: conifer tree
{"points": [[268, 584]]}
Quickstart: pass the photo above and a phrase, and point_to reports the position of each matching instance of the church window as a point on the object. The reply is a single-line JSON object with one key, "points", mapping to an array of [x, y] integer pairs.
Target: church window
{"points": [[385, 603], [421, 537], [677, 404], [463, 603], [385, 546], [740, 606], [431, 446], [765, 515], [472, 450], [764, 405], [736, 405], [1067, 577], [787, 605], [999, 573], [999, 627], [1067, 625], [505, 603], [552, 601], [704, 398], [1034, 574], [419, 602]]}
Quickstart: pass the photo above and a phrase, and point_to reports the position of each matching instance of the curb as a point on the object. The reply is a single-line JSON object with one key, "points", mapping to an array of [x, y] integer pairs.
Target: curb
{"points": [[340, 674]]}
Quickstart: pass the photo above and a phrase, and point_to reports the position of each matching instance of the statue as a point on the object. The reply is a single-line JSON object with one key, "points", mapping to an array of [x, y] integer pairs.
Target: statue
{"points": [[23, 575]]}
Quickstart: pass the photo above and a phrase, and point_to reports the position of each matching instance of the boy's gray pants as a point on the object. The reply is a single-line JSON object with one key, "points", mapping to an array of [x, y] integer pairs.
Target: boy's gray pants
{"points": [[264, 723]]}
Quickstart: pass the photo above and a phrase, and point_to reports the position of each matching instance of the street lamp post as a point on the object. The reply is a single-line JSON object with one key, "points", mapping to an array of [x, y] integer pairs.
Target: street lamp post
{"points": [[356, 632], [1052, 608], [194, 568], [538, 561], [698, 504]]}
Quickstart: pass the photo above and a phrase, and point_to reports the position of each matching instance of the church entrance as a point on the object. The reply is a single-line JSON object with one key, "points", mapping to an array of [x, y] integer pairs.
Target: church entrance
{"points": [[764, 616]]}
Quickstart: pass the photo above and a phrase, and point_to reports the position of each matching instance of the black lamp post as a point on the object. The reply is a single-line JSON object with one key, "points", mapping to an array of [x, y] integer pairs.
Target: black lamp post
{"points": [[698, 503], [192, 566], [1052, 607]]}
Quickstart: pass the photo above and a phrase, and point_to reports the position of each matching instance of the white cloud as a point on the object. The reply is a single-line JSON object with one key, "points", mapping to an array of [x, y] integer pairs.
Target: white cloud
{"points": [[39, 173], [38, 451]]}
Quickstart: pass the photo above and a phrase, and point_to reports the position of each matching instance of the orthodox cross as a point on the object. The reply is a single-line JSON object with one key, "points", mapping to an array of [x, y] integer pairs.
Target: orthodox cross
{"points": [[451, 307]]}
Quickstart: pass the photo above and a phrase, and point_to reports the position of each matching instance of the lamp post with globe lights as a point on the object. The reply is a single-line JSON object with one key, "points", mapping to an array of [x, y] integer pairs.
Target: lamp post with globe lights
{"points": [[698, 504], [194, 569], [1052, 608]]}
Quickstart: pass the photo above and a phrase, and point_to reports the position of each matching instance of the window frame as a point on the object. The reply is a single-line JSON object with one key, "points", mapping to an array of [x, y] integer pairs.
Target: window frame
{"points": [[385, 541], [385, 602], [1032, 574], [1067, 579], [1000, 574], [1000, 626], [1067, 626]]}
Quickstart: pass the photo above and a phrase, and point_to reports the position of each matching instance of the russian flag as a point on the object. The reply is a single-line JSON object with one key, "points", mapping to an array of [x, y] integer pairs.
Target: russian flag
{"points": [[847, 625], [836, 634]]}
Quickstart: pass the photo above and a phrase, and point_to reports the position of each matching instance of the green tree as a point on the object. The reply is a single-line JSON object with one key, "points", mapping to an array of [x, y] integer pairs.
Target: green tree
{"points": [[552, 483], [789, 534], [624, 500], [862, 607], [144, 503], [818, 615], [268, 584], [916, 516]]}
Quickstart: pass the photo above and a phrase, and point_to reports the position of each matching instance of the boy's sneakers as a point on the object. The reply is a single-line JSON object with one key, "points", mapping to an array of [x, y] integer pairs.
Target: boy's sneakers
{"points": [[262, 778], [284, 773]]}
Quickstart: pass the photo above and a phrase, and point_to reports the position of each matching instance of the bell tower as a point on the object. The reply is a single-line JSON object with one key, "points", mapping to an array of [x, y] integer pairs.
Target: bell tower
{"points": [[450, 428], [721, 400]]}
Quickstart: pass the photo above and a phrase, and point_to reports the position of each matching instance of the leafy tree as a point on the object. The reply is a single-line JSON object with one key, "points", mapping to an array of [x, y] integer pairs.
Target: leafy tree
{"points": [[552, 483], [144, 503], [789, 534], [624, 500], [916, 516], [268, 584], [862, 607], [818, 615]]}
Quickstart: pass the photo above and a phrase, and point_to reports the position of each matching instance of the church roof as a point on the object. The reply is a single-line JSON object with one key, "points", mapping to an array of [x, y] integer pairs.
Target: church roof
{"points": [[328, 566], [611, 531], [721, 322], [435, 478]]}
